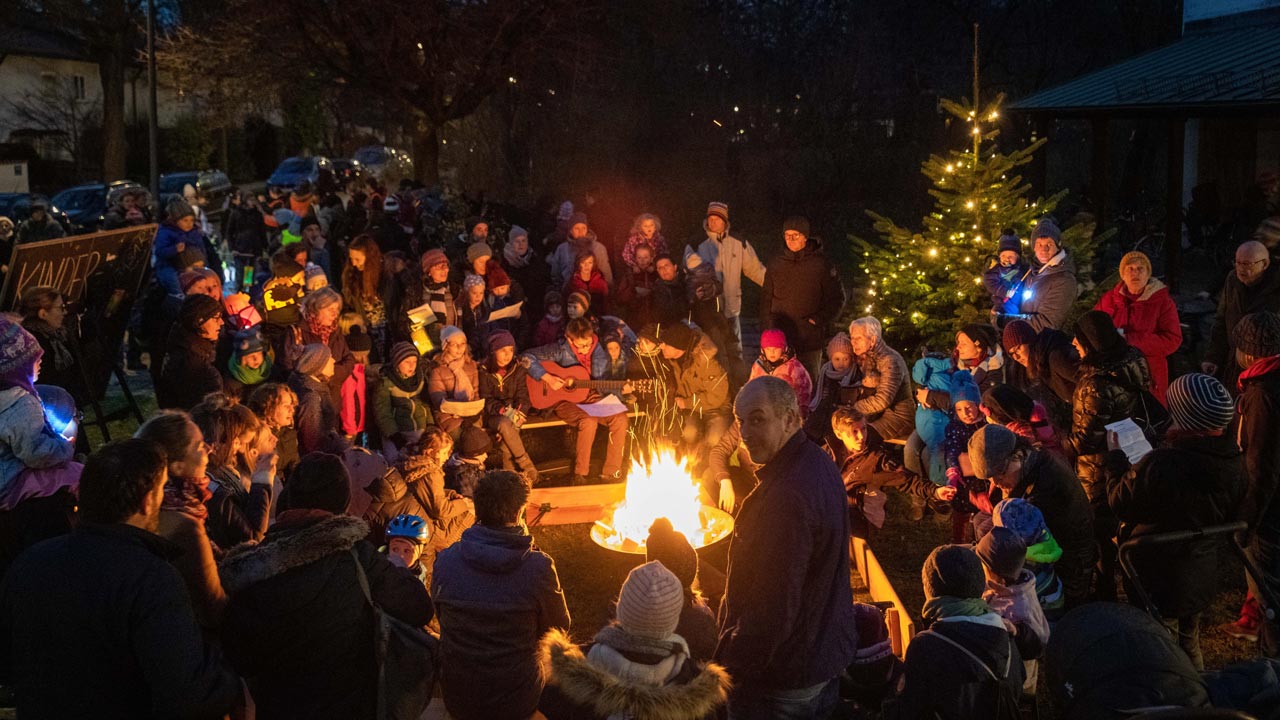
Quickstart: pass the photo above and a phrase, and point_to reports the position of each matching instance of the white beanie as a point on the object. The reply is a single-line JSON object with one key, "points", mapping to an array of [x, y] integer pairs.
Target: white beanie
{"points": [[650, 602]]}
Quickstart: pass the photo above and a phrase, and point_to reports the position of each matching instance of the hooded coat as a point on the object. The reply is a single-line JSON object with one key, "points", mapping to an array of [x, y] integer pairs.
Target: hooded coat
{"points": [[732, 258], [497, 595], [1109, 388], [935, 671], [580, 690], [1189, 482], [1049, 293], [298, 627], [802, 295], [398, 404], [189, 372], [1150, 323], [26, 440]]}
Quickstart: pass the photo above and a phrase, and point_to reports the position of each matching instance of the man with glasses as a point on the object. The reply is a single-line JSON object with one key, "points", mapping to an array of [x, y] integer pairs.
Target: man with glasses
{"points": [[581, 346], [1253, 286], [802, 293]]}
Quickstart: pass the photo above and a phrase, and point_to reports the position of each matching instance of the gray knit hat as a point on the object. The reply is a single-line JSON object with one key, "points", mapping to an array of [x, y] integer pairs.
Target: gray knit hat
{"points": [[650, 602], [1199, 402], [1258, 334], [990, 448], [953, 570], [312, 359], [1047, 228], [1003, 551]]}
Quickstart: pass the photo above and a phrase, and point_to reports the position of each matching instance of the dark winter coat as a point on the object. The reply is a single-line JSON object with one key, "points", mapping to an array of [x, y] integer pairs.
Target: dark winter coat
{"points": [[787, 615], [999, 280], [398, 403], [189, 372], [934, 671], [30, 231], [1150, 323], [246, 232], [866, 472], [497, 596], [579, 690], [316, 416], [1048, 483], [1189, 482], [1053, 364], [344, 362], [802, 295], [298, 627], [670, 301], [511, 389], [1238, 300], [635, 296], [534, 277], [59, 365], [98, 624], [236, 515], [451, 513], [1259, 414], [1107, 391], [1048, 295]]}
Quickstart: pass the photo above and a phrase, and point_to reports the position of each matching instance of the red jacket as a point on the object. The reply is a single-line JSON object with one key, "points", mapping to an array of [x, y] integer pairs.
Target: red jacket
{"points": [[353, 402], [1150, 323], [596, 288]]}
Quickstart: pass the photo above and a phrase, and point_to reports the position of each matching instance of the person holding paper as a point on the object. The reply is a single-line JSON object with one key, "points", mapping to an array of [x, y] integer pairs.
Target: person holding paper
{"points": [[580, 346], [1110, 387], [455, 378]]}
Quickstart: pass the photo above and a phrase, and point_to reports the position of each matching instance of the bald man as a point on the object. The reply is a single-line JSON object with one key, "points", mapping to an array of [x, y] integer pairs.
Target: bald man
{"points": [[1253, 286]]}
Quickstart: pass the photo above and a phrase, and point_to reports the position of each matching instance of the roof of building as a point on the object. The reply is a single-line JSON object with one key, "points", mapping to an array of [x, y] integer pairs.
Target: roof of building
{"points": [[29, 35], [1211, 69]]}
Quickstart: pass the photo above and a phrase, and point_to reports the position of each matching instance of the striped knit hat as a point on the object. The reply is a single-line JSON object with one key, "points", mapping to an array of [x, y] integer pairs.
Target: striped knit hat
{"points": [[718, 209], [1258, 334], [650, 602], [1199, 402]]}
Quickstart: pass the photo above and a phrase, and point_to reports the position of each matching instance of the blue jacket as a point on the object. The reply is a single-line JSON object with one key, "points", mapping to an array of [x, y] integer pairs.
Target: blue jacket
{"points": [[561, 354], [933, 373], [787, 615], [164, 253], [26, 440], [496, 595]]}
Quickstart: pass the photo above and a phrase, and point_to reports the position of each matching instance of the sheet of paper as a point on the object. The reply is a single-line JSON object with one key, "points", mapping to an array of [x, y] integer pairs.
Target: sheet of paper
{"points": [[462, 408], [1127, 436], [510, 311], [604, 407], [421, 315]]}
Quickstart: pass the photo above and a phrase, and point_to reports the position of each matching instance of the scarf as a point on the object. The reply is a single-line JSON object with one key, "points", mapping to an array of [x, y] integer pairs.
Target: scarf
{"points": [[835, 378], [187, 495], [769, 367], [554, 318], [411, 385], [515, 261], [1259, 368], [585, 360], [614, 647], [463, 390], [440, 297], [249, 376], [1053, 261], [946, 606], [319, 330], [718, 237]]}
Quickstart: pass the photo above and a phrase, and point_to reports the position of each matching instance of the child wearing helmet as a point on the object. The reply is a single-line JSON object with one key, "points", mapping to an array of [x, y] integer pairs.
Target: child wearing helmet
{"points": [[407, 537]]}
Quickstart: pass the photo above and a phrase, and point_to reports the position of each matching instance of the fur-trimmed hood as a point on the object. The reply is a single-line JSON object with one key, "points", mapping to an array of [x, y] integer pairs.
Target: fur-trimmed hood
{"points": [[285, 549], [566, 667]]}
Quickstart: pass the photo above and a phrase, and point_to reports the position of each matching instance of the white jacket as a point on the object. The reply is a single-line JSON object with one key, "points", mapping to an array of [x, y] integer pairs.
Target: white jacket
{"points": [[732, 258]]}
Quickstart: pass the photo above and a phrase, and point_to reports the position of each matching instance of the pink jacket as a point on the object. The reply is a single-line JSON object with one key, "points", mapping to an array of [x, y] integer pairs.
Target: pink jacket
{"points": [[353, 404], [795, 375]]}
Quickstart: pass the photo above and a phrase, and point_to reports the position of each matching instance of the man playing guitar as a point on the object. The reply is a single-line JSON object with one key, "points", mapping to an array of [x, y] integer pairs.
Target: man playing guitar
{"points": [[581, 347]]}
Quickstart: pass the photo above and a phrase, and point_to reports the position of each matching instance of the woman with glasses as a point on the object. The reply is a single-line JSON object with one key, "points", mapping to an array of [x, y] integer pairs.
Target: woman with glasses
{"points": [[44, 314]]}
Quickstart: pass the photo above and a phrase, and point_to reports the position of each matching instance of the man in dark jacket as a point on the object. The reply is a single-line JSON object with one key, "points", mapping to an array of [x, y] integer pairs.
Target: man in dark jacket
{"points": [[802, 293], [1018, 470], [670, 301], [1252, 287], [40, 226], [1051, 288], [497, 595], [1257, 342], [787, 624], [98, 623], [1193, 480], [298, 625], [635, 288]]}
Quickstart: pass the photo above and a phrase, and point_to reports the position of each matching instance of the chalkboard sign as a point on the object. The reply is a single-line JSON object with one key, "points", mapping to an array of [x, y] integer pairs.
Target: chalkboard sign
{"points": [[68, 263]]}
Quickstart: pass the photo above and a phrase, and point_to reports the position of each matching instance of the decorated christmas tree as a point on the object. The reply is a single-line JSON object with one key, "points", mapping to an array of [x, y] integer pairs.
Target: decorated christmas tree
{"points": [[923, 285]]}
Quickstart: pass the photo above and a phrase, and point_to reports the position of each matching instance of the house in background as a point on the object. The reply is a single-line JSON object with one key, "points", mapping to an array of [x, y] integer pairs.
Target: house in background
{"points": [[1212, 97]]}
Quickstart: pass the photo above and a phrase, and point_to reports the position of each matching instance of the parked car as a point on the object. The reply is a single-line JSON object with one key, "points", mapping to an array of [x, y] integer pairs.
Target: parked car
{"points": [[346, 170], [17, 207], [86, 205], [213, 184], [294, 170], [385, 162]]}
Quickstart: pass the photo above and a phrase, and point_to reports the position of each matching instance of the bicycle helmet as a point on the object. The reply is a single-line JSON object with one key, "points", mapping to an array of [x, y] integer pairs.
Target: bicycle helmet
{"points": [[408, 527]]}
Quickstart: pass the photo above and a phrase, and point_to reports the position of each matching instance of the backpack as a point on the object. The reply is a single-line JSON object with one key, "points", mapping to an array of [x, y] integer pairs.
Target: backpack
{"points": [[991, 697], [407, 660]]}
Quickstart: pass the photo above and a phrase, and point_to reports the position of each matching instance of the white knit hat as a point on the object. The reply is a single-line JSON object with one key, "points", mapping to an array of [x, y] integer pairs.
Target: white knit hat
{"points": [[650, 602]]}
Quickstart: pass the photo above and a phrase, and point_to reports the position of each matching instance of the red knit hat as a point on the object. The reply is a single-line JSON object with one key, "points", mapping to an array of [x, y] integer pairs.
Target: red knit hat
{"points": [[773, 339], [496, 276]]}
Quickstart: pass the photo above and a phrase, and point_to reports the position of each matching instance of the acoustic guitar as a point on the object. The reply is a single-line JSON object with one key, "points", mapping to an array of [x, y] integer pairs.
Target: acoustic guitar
{"points": [[577, 386]]}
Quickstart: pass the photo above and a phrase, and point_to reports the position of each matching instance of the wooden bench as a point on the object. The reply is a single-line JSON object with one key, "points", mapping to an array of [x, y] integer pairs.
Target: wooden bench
{"points": [[901, 627], [540, 424]]}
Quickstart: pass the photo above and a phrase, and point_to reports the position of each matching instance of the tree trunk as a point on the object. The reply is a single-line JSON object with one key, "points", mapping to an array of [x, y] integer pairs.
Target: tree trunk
{"points": [[224, 151], [426, 152], [114, 146]]}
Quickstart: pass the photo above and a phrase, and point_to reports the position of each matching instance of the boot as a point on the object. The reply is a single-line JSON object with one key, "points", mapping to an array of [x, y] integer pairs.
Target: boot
{"points": [[524, 464], [1247, 626]]}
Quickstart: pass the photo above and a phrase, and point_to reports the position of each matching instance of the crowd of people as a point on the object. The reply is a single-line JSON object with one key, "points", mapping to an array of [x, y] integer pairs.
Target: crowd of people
{"points": [[341, 448]]}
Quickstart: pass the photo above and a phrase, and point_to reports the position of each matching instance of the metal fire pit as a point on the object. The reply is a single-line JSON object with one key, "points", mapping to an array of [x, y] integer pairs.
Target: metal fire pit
{"points": [[717, 525]]}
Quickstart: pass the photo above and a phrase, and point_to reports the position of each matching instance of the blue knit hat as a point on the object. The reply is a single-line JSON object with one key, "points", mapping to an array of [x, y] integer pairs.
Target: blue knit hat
{"points": [[1022, 518], [964, 389], [1200, 402], [1047, 228]]}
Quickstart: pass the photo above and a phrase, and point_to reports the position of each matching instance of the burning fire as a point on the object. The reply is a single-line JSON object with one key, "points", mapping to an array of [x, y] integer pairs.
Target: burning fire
{"points": [[663, 487]]}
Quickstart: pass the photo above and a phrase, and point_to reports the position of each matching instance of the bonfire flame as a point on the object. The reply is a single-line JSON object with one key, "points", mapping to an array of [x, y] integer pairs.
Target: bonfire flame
{"points": [[662, 487]]}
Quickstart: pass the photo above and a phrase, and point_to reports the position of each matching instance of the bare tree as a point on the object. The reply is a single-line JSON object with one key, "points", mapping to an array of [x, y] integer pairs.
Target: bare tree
{"points": [[58, 109]]}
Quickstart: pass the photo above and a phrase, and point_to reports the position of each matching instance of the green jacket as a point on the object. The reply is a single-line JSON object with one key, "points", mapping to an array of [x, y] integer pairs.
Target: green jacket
{"points": [[398, 405]]}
